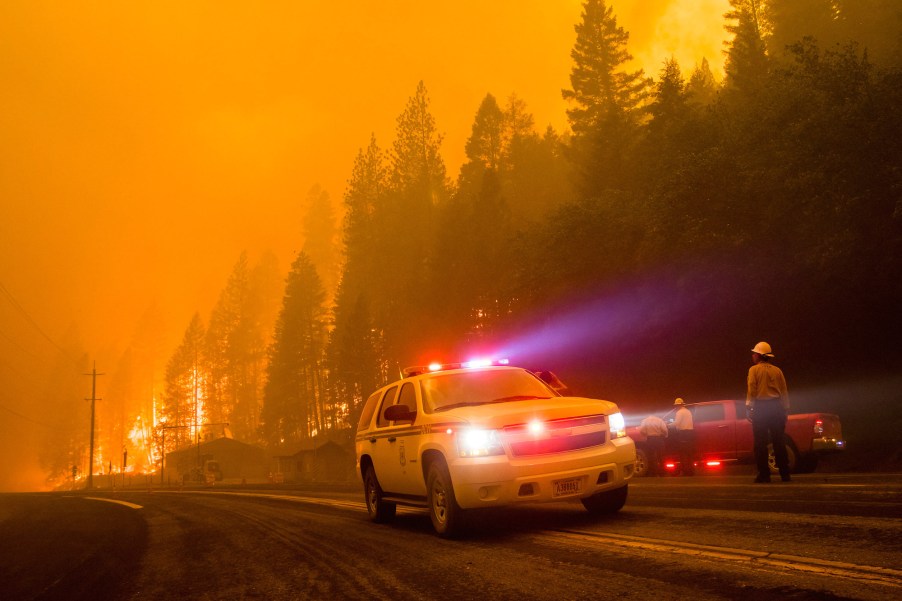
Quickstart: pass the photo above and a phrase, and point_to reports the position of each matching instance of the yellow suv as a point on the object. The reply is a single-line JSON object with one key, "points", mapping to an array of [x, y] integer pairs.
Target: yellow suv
{"points": [[457, 437]]}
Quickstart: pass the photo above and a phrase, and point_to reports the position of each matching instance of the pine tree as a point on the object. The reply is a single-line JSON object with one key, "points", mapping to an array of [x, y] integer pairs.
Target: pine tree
{"points": [[607, 99], [356, 359], [518, 124], [746, 66], [417, 169], [473, 228], [184, 401], [320, 236], [670, 99], [355, 355], [484, 146], [229, 355], [789, 21], [265, 289], [417, 186], [293, 403], [364, 201], [701, 87]]}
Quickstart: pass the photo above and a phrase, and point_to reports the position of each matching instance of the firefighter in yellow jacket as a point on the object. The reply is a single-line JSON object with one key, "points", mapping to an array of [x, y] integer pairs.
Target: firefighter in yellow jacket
{"points": [[767, 404]]}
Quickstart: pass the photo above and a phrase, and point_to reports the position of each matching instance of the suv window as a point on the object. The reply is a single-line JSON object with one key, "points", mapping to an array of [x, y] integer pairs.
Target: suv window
{"points": [[443, 391], [367, 415], [408, 396], [387, 401]]}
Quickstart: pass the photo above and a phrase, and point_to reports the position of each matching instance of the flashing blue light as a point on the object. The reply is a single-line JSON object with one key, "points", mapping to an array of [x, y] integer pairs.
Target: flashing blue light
{"points": [[484, 362]]}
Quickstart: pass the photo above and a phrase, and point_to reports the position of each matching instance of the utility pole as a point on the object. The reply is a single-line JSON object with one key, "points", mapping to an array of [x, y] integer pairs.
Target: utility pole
{"points": [[93, 399], [196, 414]]}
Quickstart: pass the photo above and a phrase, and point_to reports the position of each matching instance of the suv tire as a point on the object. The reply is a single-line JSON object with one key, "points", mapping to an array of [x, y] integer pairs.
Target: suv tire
{"points": [[380, 511], [607, 502], [446, 515]]}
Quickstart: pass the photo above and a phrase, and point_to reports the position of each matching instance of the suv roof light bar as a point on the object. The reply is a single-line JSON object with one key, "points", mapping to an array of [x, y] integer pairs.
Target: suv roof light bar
{"points": [[416, 370]]}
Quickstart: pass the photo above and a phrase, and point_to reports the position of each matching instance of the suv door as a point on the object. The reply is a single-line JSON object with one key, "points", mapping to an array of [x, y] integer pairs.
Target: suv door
{"points": [[382, 444], [411, 480], [394, 445]]}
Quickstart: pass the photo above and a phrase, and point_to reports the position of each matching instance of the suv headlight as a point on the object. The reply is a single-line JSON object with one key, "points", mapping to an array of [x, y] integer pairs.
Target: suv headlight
{"points": [[617, 425], [479, 443]]}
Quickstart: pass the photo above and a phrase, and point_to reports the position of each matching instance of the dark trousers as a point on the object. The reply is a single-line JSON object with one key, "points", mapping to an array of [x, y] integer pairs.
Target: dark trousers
{"points": [[686, 449], [768, 427], [654, 452]]}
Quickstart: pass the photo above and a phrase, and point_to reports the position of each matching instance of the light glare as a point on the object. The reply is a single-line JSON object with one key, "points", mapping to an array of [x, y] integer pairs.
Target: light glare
{"points": [[536, 427]]}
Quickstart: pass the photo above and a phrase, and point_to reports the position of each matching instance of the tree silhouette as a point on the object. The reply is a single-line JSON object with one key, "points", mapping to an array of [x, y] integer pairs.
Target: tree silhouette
{"points": [[294, 399], [607, 100]]}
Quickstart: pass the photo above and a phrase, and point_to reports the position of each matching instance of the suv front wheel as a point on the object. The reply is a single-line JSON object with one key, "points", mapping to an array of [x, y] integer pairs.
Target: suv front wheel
{"points": [[380, 511], [446, 515], [607, 502]]}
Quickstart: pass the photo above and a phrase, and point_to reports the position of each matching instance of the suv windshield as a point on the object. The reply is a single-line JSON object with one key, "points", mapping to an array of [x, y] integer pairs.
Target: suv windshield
{"points": [[446, 391]]}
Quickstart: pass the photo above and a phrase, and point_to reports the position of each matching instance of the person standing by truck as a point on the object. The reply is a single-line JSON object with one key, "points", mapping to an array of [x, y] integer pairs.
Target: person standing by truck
{"points": [[655, 431], [767, 405], [685, 437]]}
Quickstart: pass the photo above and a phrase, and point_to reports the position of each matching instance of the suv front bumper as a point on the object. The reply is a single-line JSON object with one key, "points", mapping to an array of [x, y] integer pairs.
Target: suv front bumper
{"points": [[493, 481]]}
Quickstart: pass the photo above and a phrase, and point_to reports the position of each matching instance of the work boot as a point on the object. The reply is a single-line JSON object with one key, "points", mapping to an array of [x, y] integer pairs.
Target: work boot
{"points": [[762, 479]]}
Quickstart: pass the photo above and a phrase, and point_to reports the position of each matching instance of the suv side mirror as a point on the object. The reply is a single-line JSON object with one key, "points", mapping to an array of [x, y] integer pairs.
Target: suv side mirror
{"points": [[399, 413]]}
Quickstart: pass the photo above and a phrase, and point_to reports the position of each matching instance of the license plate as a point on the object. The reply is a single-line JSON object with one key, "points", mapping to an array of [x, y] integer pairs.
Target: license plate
{"points": [[567, 487]]}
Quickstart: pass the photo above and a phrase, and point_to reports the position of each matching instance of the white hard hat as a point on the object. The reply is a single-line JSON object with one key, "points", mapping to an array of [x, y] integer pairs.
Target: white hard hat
{"points": [[763, 348], [678, 402]]}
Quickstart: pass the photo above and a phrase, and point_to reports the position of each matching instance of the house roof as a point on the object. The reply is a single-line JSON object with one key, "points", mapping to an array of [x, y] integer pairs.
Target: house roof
{"points": [[306, 446], [218, 444]]}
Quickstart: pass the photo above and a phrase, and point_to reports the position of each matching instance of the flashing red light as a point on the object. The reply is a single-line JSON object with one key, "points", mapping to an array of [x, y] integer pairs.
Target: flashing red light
{"points": [[435, 366], [712, 463], [670, 466]]}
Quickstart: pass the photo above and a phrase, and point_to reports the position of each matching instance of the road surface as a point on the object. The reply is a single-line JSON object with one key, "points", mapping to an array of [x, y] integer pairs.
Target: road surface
{"points": [[819, 537]]}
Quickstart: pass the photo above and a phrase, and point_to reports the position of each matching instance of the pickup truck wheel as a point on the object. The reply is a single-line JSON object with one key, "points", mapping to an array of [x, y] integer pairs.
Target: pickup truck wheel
{"points": [[607, 502], [641, 462], [380, 511], [792, 457], [446, 515]]}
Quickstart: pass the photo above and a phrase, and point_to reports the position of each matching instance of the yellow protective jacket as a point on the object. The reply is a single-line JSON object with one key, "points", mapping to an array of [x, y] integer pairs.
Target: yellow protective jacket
{"points": [[766, 381]]}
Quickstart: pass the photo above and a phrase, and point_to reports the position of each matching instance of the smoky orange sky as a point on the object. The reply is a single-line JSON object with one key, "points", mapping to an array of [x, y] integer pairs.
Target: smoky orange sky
{"points": [[145, 144]]}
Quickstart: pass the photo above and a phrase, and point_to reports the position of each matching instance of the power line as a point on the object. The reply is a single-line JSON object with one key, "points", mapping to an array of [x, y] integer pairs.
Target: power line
{"points": [[16, 305], [19, 346], [25, 417], [20, 376]]}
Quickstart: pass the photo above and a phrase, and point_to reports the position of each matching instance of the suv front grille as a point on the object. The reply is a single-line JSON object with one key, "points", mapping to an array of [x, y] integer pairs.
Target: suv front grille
{"points": [[559, 436], [557, 445]]}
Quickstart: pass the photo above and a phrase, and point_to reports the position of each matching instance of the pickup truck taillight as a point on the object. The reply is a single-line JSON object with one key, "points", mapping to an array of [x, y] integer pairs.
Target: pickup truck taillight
{"points": [[818, 427]]}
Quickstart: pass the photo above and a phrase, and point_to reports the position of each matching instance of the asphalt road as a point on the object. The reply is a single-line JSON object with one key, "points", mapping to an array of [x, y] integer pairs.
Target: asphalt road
{"points": [[819, 537]]}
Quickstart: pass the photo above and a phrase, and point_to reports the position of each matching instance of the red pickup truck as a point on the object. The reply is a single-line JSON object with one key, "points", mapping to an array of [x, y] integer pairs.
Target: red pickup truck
{"points": [[723, 434]]}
